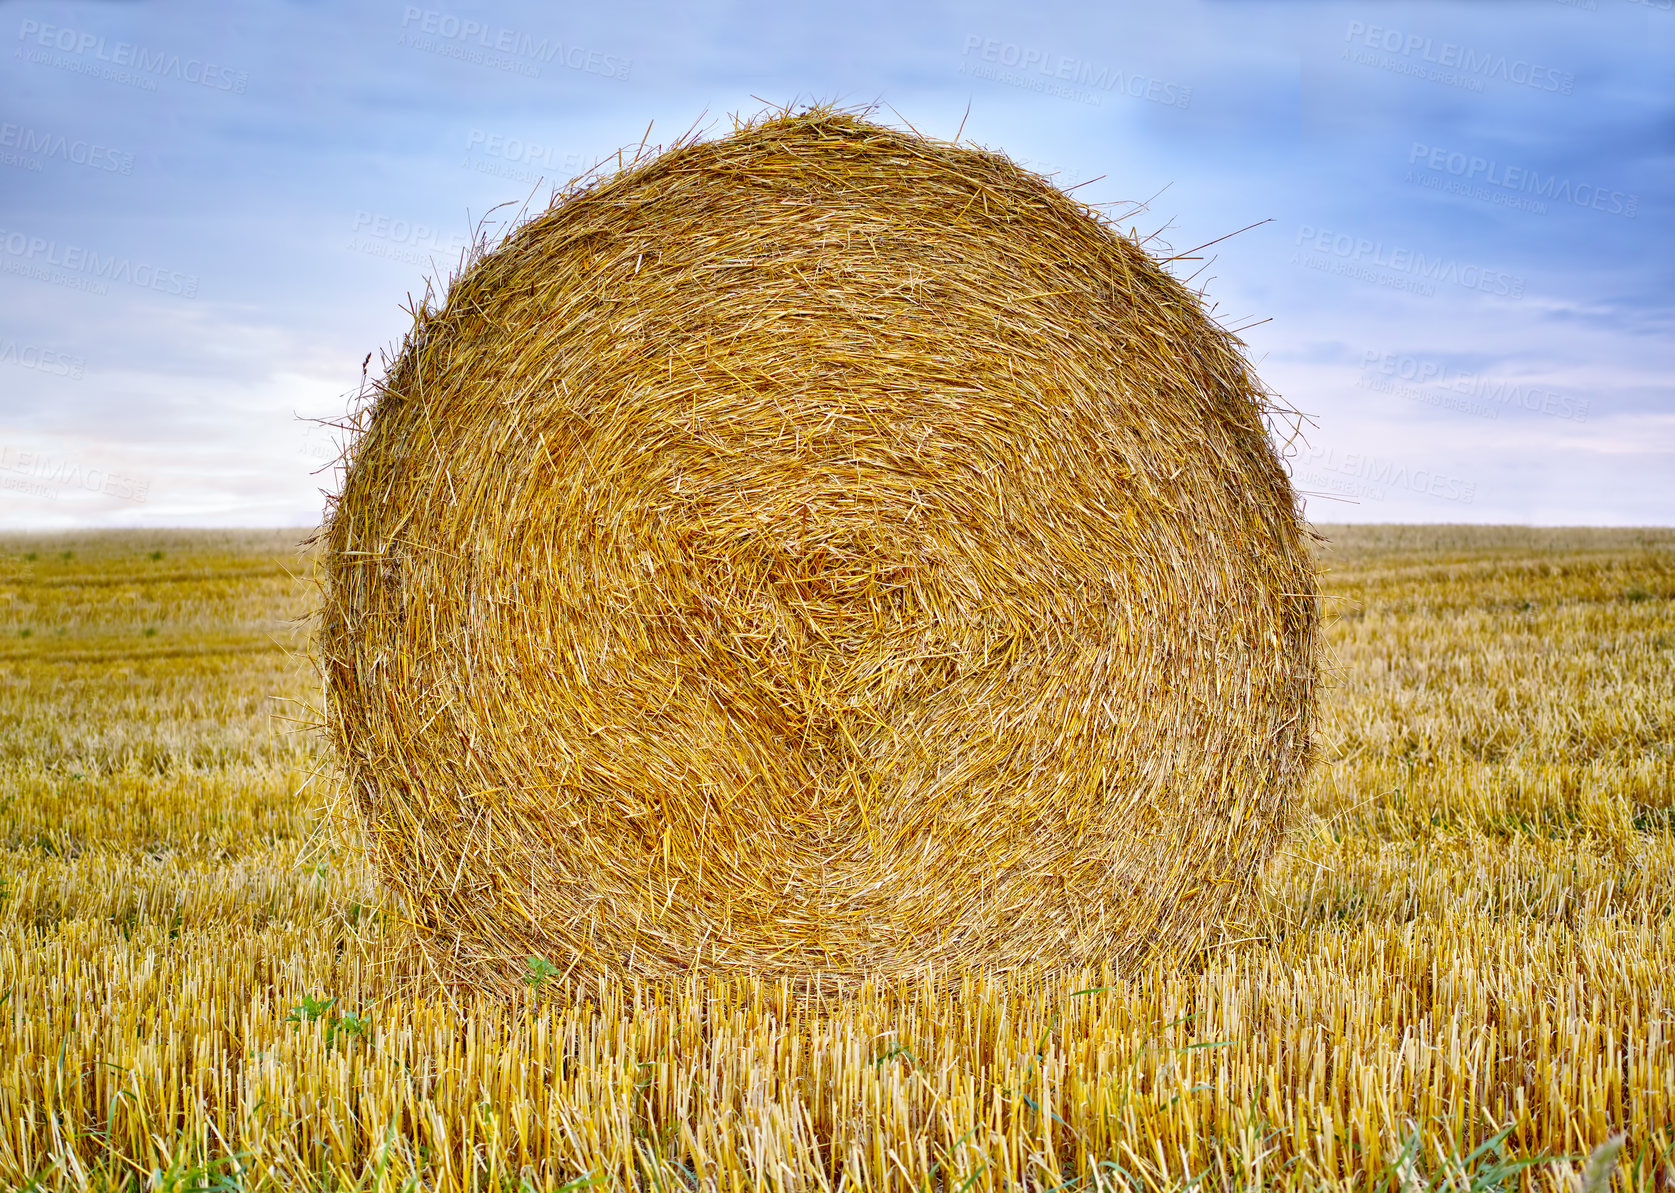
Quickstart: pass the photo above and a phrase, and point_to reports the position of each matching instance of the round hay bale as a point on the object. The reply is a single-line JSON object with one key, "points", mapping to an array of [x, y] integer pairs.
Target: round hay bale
{"points": [[819, 552]]}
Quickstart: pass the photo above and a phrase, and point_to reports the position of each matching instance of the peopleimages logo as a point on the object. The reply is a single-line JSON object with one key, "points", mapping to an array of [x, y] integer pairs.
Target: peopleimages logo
{"points": [[1357, 256], [524, 53], [1448, 62], [520, 160], [318, 446], [45, 360], [39, 474], [516, 149], [402, 240], [1476, 172], [1438, 384], [147, 63], [85, 269], [38, 144], [400, 231], [1373, 476], [1039, 70]]}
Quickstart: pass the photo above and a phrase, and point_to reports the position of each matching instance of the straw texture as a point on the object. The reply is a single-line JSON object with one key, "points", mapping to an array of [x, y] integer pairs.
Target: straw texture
{"points": [[818, 552]]}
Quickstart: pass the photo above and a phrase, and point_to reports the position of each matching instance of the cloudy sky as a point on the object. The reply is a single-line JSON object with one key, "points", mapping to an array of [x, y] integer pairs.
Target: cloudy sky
{"points": [[210, 214]]}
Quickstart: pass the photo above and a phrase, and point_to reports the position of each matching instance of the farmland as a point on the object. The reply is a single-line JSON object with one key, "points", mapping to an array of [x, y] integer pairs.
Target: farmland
{"points": [[1462, 960]]}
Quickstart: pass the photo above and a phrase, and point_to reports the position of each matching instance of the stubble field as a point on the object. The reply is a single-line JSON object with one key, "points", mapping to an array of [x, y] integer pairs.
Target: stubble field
{"points": [[1459, 977]]}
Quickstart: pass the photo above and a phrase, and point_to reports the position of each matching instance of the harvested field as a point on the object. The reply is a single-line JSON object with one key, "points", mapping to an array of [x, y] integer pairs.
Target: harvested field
{"points": [[1465, 940]]}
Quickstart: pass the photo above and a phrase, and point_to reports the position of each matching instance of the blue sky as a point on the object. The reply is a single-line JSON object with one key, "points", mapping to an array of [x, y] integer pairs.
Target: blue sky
{"points": [[210, 214]]}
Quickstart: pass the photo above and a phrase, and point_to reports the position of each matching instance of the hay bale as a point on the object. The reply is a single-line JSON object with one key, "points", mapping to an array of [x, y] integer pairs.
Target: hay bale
{"points": [[818, 552]]}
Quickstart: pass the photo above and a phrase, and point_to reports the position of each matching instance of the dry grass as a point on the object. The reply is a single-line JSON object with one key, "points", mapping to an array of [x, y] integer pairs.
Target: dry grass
{"points": [[818, 553], [1468, 930]]}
